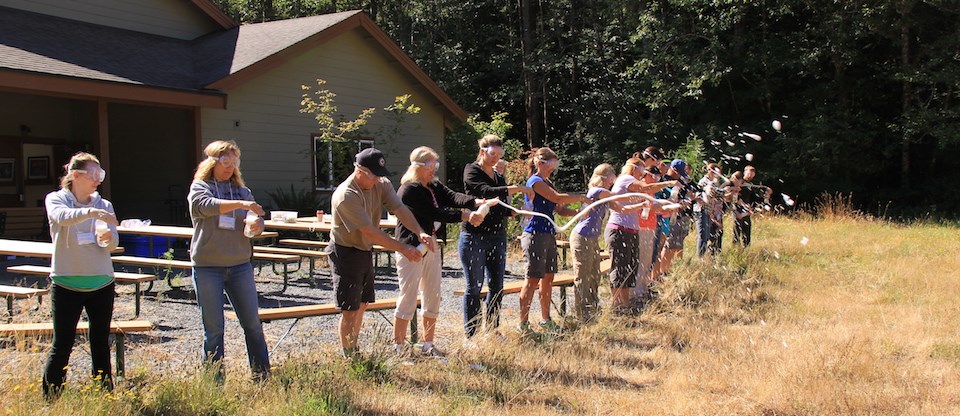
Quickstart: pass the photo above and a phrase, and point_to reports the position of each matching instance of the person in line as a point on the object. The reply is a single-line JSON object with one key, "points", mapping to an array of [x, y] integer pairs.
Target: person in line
{"points": [[483, 248], [539, 241], [750, 196], [585, 245], [433, 204], [680, 193], [622, 229], [82, 271], [356, 206], [647, 228], [709, 210], [219, 203]]}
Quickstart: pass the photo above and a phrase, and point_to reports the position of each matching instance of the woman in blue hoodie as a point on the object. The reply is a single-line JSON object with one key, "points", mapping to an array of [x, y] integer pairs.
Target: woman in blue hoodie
{"points": [[82, 271]]}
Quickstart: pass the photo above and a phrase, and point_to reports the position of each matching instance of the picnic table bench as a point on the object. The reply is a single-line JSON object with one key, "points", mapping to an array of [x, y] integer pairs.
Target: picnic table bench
{"points": [[310, 255], [161, 263], [118, 328], [17, 292], [325, 309], [122, 278], [560, 280], [323, 244]]}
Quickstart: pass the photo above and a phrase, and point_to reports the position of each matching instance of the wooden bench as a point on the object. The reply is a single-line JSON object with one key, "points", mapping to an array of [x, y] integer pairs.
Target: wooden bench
{"points": [[122, 278], [118, 328], [17, 292], [323, 244], [561, 280], [284, 259], [325, 309], [310, 255], [28, 223], [161, 263]]}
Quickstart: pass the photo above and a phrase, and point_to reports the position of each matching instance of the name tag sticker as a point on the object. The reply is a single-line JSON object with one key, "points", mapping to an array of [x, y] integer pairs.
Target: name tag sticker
{"points": [[86, 238], [227, 222]]}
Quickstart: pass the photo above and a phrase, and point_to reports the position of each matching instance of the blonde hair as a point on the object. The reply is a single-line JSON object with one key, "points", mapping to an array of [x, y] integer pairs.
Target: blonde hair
{"points": [[599, 173], [77, 161], [631, 165], [214, 151], [418, 155], [543, 153], [486, 141]]}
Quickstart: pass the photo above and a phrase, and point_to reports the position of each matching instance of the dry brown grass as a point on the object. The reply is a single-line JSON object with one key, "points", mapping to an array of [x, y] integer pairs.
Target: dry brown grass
{"points": [[861, 320]]}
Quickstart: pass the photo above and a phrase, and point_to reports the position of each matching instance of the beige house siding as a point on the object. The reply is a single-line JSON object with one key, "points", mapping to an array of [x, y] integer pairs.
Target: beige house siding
{"points": [[275, 137], [172, 18]]}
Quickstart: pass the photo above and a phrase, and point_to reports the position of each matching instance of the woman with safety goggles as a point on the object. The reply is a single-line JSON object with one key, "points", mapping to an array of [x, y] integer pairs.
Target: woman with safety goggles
{"points": [[83, 231], [219, 202], [433, 204], [483, 248], [539, 239]]}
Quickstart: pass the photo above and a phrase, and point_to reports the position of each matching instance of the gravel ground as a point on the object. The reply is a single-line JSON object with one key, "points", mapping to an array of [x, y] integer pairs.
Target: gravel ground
{"points": [[174, 347]]}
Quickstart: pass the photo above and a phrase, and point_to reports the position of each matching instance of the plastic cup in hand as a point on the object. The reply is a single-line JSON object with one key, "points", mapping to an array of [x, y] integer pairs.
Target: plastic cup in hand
{"points": [[422, 248], [102, 228], [251, 219], [645, 213], [483, 210]]}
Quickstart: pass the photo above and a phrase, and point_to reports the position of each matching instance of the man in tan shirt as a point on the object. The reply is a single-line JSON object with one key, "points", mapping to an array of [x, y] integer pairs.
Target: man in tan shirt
{"points": [[357, 204]]}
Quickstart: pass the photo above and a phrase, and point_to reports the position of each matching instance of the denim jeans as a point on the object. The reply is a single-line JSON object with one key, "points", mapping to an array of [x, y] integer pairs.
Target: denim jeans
{"points": [[709, 234], [210, 284], [482, 256], [66, 306]]}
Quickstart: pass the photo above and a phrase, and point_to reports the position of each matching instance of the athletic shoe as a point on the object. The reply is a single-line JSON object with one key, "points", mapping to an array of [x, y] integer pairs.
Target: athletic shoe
{"points": [[550, 326]]}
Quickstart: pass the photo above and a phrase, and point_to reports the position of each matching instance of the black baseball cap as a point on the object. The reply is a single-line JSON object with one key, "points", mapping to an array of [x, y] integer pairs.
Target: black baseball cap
{"points": [[373, 159]]}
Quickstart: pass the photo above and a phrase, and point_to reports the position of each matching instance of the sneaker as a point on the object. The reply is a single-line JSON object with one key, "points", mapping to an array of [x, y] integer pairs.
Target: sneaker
{"points": [[524, 328], [433, 352], [550, 326]]}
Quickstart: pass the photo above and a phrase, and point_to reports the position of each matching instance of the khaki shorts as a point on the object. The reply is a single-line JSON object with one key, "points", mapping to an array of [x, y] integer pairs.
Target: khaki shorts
{"points": [[540, 251]]}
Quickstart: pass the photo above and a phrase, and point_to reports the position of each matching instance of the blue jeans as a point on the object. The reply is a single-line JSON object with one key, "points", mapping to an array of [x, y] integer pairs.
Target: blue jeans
{"points": [[210, 284], [482, 256], [709, 234]]}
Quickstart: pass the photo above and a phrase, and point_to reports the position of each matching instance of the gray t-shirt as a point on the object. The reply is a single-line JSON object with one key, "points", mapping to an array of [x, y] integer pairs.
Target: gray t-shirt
{"points": [[212, 246], [354, 208]]}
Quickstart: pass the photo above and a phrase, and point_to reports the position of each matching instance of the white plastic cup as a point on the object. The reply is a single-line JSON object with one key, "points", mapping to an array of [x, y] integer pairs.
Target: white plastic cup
{"points": [[483, 210], [251, 219], [102, 228], [422, 248], [645, 213]]}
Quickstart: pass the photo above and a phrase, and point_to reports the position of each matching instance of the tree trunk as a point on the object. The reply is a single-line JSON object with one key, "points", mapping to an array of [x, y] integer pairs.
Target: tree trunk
{"points": [[906, 6], [534, 115]]}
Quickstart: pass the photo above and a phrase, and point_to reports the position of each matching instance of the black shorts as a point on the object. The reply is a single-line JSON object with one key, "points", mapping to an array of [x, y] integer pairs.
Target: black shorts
{"points": [[352, 271]]}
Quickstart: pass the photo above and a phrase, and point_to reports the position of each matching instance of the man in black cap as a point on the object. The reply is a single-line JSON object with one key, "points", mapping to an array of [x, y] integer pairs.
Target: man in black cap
{"points": [[357, 204]]}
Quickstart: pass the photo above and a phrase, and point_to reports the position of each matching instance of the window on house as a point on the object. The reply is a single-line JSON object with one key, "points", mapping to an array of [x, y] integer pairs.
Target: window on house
{"points": [[333, 161]]}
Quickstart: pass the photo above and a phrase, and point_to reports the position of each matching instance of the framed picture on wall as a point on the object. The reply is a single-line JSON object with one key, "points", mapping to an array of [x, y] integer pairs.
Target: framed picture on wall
{"points": [[38, 167], [7, 169]]}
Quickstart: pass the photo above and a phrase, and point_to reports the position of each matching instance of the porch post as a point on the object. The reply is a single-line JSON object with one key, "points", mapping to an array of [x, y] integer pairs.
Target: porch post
{"points": [[103, 144]]}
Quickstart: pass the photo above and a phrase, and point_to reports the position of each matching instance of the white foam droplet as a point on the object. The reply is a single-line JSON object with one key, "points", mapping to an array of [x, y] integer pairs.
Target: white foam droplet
{"points": [[787, 200], [729, 143], [804, 241], [749, 156], [753, 136], [776, 125]]}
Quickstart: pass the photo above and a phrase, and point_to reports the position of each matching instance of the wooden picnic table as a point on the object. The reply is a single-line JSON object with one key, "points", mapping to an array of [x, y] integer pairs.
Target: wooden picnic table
{"points": [[310, 224], [173, 231], [32, 248]]}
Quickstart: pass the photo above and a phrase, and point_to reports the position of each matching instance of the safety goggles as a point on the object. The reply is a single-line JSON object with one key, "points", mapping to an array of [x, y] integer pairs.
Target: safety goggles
{"points": [[229, 161], [552, 163], [96, 174], [433, 165], [493, 151]]}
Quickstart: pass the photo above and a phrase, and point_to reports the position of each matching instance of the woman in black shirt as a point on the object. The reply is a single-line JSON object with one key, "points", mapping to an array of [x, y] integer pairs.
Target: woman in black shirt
{"points": [[433, 204], [483, 248]]}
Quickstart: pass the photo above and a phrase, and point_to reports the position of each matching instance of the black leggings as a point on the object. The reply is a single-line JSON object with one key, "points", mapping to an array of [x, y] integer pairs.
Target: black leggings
{"points": [[66, 306]]}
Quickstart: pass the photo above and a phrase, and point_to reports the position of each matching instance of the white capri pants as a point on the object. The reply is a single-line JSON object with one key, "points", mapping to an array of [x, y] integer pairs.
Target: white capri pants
{"points": [[420, 278]]}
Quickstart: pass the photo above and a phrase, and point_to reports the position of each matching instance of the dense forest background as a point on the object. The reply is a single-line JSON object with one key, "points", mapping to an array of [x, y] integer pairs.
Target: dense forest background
{"points": [[867, 91]]}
